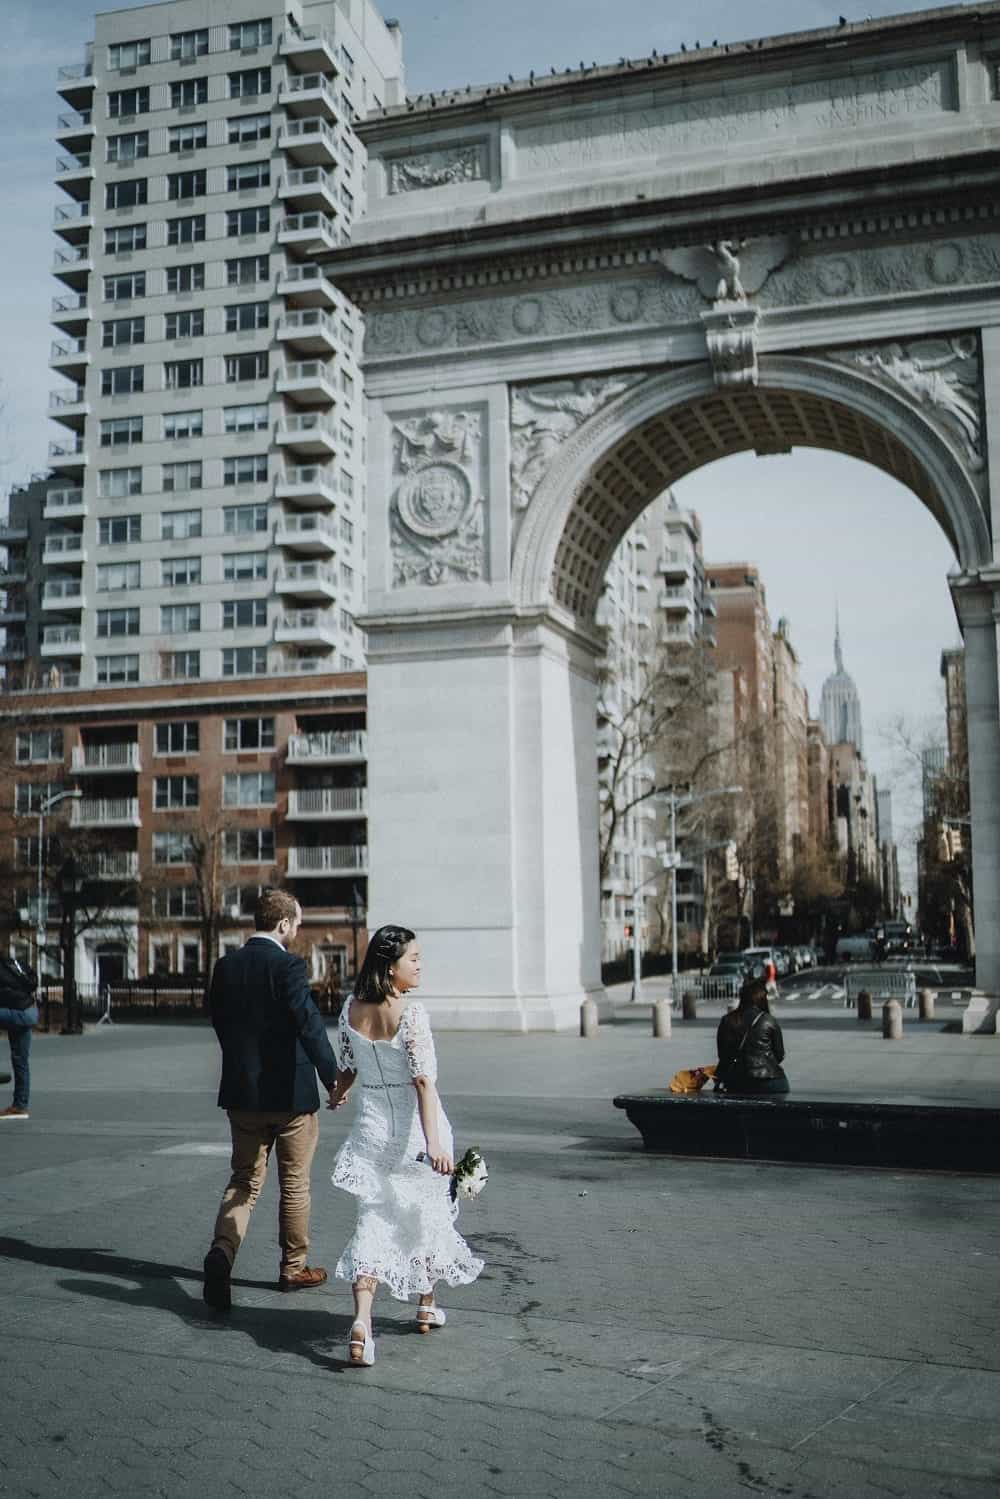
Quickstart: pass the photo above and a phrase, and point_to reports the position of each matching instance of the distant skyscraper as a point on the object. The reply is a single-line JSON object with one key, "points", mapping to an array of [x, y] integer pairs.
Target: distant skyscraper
{"points": [[839, 704]]}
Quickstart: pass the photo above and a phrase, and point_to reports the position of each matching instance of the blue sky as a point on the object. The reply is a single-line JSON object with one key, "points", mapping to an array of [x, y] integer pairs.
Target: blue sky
{"points": [[818, 526]]}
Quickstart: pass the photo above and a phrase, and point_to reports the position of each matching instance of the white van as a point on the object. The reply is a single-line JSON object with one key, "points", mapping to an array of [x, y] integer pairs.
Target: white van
{"points": [[854, 950]]}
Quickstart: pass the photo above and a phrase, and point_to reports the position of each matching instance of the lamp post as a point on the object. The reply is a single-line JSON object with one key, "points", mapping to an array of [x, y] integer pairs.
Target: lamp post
{"points": [[70, 884], [677, 804], [44, 808], [357, 905]]}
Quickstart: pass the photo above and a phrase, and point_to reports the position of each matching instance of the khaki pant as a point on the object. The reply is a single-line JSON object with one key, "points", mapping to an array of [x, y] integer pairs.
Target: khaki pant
{"points": [[293, 1138]]}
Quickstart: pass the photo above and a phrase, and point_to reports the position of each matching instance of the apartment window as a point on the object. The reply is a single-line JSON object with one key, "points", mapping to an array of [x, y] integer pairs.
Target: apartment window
{"points": [[117, 622], [189, 324], [244, 614], [115, 483], [180, 572], [172, 848], [37, 745], [246, 367], [244, 567], [244, 661], [249, 34], [131, 146], [128, 101], [347, 63], [187, 44], [180, 525], [191, 959], [242, 520], [118, 332], [245, 418], [249, 788], [347, 384], [347, 334], [187, 138], [121, 288], [186, 184], [180, 738], [29, 797], [346, 621], [180, 619], [180, 476], [126, 380], [188, 92], [248, 734], [186, 231], [119, 431], [172, 793], [346, 483], [250, 469], [117, 671], [244, 128], [176, 902], [247, 270], [249, 82], [128, 54], [179, 666], [346, 529], [347, 197], [186, 277], [182, 424], [126, 194], [247, 174], [247, 221], [114, 576], [124, 239], [117, 530], [347, 436], [183, 374], [346, 577], [248, 846], [243, 317]]}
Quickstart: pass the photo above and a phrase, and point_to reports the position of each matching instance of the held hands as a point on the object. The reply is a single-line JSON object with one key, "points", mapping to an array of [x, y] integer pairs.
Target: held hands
{"points": [[338, 1095]]}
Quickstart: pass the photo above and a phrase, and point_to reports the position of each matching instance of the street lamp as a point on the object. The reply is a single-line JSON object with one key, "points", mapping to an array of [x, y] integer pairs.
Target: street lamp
{"points": [[677, 804], [44, 808], [70, 885]]}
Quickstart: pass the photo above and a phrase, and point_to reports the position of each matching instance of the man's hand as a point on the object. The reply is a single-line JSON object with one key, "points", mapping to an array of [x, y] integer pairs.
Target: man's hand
{"points": [[338, 1094]]}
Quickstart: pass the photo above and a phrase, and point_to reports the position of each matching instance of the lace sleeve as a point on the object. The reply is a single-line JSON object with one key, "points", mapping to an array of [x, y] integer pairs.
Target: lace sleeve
{"points": [[418, 1043], [343, 1049]]}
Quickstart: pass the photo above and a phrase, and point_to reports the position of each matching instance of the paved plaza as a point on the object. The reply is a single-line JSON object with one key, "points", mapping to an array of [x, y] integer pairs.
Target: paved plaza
{"points": [[645, 1326]]}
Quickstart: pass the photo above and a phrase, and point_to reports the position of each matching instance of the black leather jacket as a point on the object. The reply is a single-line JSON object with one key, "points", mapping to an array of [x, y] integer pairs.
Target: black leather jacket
{"points": [[760, 1055]]}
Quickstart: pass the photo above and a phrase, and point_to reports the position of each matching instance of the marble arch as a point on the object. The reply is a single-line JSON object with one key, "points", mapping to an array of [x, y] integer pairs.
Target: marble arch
{"points": [[576, 290]]}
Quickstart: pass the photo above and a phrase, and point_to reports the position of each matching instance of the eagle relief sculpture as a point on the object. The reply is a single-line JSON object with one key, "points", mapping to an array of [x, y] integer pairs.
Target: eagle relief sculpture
{"points": [[728, 273]]}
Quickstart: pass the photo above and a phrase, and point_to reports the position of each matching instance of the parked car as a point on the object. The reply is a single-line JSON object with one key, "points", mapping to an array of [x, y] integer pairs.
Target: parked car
{"points": [[785, 956], [757, 958], [728, 965], [805, 957], [854, 950]]}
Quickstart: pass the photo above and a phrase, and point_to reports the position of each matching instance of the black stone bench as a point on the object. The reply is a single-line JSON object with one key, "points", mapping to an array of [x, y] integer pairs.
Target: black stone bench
{"points": [[912, 1132]]}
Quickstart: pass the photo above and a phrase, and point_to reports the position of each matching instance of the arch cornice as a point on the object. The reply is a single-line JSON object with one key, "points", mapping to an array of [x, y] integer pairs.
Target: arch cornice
{"points": [[950, 492]]}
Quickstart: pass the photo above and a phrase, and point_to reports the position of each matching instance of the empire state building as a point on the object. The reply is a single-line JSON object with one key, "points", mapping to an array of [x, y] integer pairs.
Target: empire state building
{"points": [[839, 704]]}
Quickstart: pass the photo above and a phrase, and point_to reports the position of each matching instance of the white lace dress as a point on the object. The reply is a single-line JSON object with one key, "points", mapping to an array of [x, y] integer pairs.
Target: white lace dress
{"points": [[405, 1236]]}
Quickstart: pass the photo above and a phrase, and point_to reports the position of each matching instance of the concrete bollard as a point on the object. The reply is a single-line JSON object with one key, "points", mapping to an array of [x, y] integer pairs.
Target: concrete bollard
{"points": [[689, 1005], [588, 1019], [662, 1024], [864, 1005], [925, 1004], [892, 1020]]}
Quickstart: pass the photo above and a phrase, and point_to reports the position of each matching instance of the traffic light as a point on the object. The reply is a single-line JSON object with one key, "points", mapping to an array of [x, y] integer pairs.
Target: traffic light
{"points": [[732, 862]]}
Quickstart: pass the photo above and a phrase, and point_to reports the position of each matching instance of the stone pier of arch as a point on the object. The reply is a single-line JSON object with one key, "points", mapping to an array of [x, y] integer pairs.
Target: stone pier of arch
{"points": [[577, 290]]}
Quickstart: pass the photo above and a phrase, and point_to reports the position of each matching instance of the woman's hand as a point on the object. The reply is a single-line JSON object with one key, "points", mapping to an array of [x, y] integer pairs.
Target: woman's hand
{"points": [[440, 1162]]}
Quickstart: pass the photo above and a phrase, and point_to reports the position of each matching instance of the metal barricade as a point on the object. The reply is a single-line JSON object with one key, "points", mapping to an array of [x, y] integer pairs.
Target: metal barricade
{"points": [[881, 984]]}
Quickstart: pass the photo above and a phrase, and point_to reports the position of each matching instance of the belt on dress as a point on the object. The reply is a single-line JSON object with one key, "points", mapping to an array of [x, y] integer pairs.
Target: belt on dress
{"points": [[385, 1085]]}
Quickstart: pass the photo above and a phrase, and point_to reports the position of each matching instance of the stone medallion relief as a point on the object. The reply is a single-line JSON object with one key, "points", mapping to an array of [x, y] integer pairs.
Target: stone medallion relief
{"points": [[437, 516]]}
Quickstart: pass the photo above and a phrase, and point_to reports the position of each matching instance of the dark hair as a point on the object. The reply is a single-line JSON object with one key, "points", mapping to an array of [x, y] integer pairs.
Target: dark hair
{"points": [[272, 906], [753, 995], [385, 947]]}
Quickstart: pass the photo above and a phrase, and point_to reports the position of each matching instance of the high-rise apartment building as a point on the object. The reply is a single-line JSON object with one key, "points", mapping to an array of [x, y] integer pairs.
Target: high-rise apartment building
{"points": [[209, 522]]}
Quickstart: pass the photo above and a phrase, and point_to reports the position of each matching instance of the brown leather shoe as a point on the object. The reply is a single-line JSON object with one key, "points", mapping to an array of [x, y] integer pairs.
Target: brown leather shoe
{"points": [[303, 1280]]}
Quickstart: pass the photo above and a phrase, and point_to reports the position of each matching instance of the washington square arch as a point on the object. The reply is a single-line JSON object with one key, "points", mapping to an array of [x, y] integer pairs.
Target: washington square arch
{"points": [[579, 288]]}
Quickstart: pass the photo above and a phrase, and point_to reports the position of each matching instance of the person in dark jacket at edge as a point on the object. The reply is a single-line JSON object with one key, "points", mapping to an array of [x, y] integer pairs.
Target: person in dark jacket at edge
{"points": [[750, 1045], [18, 1017], [273, 1042]]}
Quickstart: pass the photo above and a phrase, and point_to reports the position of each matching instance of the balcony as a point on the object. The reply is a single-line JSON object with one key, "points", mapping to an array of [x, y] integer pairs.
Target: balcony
{"points": [[67, 456], [307, 188], [676, 601], [62, 640], [308, 434], [106, 759], [63, 593], [322, 802], [70, 358], [73, 222], [75, 174], [311, 330], [106, 811], [12, 533], [309, 533], [328, 747], [309, 94], [306, 580], [13, 572], [71, 313], [75, 130], [65, 549], [120, 865], [306, 627], [13, 612], [75, 82], [309, 233], [309, 382], [306, 285], [14, 648], [340, 859], [311, 50], [674, 565], [313, 487], [70, 407], [309, 141], [64, 504], [73, 267]]}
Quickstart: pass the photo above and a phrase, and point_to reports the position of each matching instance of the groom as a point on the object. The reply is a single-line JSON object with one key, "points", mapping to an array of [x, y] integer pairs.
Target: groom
{"points": [[273, 1043]]}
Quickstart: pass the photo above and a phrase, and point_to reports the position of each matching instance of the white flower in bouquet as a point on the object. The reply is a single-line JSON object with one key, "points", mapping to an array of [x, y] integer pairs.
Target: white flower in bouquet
{"points": [[469, 1176]]}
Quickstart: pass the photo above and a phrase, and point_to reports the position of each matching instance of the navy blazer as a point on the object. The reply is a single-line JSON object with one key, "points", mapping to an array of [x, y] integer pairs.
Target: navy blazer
{"points": [[272, 1036]]}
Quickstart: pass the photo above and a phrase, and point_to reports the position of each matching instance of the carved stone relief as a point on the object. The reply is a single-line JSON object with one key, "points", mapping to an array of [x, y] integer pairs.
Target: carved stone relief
{"points": [[729, 270], [731, 334], [543, 417], [437, 515], [882, 270], [461, 163]]}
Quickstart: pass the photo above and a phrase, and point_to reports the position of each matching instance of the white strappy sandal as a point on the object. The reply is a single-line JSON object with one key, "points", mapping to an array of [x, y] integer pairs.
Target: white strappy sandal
{"points": [[428, 1317], [362, 1350]]}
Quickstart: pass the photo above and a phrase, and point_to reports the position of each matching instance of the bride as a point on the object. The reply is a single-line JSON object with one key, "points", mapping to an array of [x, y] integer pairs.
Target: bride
{"points": [[405, 1234]]}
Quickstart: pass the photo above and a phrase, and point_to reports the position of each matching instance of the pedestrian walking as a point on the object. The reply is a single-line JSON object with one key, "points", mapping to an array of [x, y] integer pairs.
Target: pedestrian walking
{"points": [[18, 1017], [273, 1043], [399, 1157]]}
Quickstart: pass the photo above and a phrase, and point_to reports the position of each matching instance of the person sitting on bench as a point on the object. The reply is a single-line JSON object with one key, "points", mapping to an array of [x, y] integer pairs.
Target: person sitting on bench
{"points": [[750, 1045]]}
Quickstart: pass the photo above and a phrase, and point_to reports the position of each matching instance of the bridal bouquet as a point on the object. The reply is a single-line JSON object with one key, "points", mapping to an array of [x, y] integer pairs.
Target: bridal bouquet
{"points": [[469, 1176]]}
